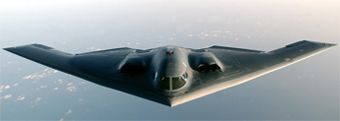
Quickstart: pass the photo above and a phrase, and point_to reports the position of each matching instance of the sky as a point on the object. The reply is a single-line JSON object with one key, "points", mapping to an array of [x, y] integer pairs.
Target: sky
{"points": [[307, 90]]}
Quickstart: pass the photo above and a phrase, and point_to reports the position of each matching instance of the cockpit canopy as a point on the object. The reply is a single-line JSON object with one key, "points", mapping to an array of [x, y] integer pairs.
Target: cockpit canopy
{"points": [[172, 83]]}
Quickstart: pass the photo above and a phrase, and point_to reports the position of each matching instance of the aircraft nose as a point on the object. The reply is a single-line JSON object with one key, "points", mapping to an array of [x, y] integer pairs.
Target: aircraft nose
{"points": [[174, 101], [174, 69]]}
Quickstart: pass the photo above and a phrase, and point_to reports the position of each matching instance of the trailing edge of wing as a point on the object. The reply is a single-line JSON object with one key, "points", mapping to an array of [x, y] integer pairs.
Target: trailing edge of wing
{"points": [[104, 51], [235, 49]]}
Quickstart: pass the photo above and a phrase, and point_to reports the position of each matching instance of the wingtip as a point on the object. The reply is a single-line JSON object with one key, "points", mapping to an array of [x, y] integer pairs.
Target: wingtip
{"points": [[331, 44], [8, 48], [320, 43]]}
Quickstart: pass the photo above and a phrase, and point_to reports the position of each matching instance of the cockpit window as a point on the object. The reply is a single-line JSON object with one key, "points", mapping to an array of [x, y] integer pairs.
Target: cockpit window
{"points": [[172, 83], [177, 82], [185, 75], [164, 83]]}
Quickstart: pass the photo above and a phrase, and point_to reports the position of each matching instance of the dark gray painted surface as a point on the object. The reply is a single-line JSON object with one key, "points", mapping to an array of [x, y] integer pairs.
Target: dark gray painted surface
{"points": [[170, 75], [306, 90]]}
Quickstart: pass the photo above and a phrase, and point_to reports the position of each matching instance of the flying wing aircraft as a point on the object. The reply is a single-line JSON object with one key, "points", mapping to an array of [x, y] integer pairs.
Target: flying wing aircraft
{"points": [[170, 75]]}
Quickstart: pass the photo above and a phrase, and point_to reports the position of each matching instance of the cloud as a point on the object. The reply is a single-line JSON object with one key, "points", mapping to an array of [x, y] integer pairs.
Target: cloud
{"points": [[60, 81], [16, 84], [42, 75], [37, 100], [69, 84], [7, 96], [27, 77], [68, 112], [7, 87], [20, 97], [33, 76], [37, 75], [71, 88]]}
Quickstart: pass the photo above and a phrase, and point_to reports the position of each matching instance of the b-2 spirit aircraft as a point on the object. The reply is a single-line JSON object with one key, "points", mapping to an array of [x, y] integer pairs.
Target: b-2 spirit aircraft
{"points": [[170, 75]]}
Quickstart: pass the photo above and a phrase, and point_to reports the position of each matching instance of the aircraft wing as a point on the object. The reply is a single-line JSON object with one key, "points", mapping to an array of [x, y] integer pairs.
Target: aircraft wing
{"points": [[99, 67], [241, 65], [62, 61], [44, 55]]}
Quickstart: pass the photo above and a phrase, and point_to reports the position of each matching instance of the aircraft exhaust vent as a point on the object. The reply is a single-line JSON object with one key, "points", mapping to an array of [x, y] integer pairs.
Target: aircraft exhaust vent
{"points": [[208, 68], [205, 63], [143, 51]]}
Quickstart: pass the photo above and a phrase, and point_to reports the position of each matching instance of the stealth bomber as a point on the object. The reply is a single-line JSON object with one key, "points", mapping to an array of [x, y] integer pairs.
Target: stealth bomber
{"points": [[170, 75]]}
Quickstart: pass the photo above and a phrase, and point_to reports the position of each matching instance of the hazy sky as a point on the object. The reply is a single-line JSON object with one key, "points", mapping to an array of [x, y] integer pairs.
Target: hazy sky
{"points": [[306, 90]]}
